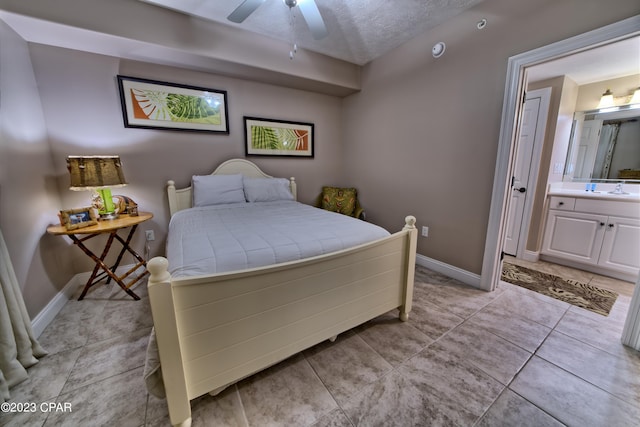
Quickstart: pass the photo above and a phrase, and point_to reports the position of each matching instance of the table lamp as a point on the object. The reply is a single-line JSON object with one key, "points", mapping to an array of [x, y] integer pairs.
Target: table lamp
{"points": [[98, 173]]}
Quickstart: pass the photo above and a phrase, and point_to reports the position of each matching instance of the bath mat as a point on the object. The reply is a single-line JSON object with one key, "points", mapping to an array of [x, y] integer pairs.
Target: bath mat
{"points": [[579, 294]]}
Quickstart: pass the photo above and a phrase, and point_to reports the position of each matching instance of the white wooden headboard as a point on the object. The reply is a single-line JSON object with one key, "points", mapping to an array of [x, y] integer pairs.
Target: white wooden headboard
{"points": [[182, 198]]}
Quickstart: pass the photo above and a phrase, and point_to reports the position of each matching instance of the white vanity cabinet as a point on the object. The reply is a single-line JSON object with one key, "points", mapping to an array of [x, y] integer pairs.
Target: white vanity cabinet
{"points": [[621, 245], [597, 235]]}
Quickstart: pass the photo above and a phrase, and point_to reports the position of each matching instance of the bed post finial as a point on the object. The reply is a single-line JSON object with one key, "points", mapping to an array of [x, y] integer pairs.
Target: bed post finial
{"points": [[158, 270], [171, 195], [294, 187], [410, 223]]}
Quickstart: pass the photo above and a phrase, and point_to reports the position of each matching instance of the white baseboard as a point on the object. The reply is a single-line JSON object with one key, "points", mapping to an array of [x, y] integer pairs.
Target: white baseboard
{"points": [[464, 276], [51, 310], [531, 256]]}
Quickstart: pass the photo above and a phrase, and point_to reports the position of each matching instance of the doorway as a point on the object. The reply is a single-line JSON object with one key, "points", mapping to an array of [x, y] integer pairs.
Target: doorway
{"points": [[516, 79]]}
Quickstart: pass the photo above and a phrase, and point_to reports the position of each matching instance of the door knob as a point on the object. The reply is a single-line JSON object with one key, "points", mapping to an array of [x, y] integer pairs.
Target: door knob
{"points": [[521, 189]]}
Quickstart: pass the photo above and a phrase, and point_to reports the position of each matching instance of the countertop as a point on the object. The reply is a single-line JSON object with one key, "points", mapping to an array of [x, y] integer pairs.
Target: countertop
{"points": [[602, 195]]}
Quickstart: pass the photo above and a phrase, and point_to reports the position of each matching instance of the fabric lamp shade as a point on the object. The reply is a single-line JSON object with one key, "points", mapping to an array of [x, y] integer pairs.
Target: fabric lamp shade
{"points": [[98, 173], [92, 172]]}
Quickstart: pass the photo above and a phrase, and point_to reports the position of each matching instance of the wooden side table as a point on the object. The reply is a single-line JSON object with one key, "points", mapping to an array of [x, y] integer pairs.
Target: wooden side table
{"points": [[111, 227]]}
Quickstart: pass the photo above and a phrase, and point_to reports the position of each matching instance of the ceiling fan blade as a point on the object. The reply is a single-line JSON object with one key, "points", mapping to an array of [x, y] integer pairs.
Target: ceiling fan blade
{"points": [[313, 18], [243, 11]]}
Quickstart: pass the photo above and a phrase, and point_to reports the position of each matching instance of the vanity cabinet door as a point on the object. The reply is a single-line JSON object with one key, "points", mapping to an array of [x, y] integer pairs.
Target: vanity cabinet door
{"points": [[574, 235], [621, 245]]}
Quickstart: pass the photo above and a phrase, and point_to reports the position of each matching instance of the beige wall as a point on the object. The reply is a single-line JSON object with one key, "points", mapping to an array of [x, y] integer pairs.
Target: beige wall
{"points": [[421, 137], [28, 195]]}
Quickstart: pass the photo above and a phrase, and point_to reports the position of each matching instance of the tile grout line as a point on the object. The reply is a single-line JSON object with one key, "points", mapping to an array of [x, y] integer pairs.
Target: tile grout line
{"points": [[327, 389], [577, 376], [242, 409]]}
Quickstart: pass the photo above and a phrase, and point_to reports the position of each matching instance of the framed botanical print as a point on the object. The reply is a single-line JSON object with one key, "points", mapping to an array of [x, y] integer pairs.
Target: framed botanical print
{"points": [[267, 137], [152, 104]]}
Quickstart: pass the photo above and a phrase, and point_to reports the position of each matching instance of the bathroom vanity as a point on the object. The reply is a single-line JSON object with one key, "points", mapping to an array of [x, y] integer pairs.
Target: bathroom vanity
{"points": [[595, 231]]}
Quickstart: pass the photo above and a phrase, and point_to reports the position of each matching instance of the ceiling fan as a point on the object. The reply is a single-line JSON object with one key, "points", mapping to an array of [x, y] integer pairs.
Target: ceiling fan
{"points": [[308, 8]]}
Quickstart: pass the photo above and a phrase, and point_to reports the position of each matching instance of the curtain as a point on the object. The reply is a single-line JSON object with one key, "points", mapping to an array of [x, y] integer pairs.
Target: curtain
{"points": [[608, 139], [18, 347]]}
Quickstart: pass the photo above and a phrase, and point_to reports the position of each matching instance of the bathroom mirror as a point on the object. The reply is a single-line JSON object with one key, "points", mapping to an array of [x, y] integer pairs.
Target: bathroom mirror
{"points": [[604, 147]]}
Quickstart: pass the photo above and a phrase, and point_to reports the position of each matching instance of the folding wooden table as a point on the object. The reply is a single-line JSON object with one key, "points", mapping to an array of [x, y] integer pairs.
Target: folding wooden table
{"points": [[110, 227]]}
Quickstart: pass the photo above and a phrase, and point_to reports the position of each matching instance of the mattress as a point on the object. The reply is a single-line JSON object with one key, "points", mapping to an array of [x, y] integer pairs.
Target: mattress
{"points": [[230, 237]]}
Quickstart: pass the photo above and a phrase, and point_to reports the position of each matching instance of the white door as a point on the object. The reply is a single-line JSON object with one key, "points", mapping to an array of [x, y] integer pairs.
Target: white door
{"points": [[587, 148], [530, 134]]}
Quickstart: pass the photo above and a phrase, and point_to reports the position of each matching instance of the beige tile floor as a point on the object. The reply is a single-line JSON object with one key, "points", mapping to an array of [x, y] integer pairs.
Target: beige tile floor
{"points": [[465, 358]]}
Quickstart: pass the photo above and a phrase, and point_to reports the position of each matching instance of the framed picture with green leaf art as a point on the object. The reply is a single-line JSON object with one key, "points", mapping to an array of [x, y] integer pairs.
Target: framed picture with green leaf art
{"points": [[266, 137], [152, 104]]}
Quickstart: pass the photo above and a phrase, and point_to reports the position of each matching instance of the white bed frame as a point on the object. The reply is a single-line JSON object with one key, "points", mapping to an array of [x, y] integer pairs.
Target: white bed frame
{"points": [[215, 330]]}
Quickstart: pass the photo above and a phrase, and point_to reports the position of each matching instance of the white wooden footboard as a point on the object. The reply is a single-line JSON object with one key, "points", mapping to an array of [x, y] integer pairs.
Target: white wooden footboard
{"points": [[213, 331]]}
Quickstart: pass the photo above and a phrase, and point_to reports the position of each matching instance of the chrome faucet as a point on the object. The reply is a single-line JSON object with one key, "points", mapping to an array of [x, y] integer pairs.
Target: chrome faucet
{"points": [[618, 189]]}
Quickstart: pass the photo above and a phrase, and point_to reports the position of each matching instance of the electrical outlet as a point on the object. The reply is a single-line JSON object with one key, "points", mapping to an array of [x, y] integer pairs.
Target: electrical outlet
{"points": [[149, 235], [425, 231]]}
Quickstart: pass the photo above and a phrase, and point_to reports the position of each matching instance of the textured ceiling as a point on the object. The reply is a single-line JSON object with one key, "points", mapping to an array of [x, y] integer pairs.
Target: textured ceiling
{"points": [[359, 30]]}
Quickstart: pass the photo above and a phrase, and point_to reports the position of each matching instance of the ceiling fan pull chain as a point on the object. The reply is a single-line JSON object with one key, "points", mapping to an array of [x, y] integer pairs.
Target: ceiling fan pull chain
{"points": [[292, 25]]}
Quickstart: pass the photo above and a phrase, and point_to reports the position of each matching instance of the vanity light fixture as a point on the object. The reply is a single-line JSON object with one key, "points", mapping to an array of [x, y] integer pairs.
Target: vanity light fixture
{"points": [[610, 103], [635, 99], [607, 100]]}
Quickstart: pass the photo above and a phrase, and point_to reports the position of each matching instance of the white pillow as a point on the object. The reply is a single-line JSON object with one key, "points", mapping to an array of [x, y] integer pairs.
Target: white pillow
{"points": [[217, 189], [267, 189]]}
